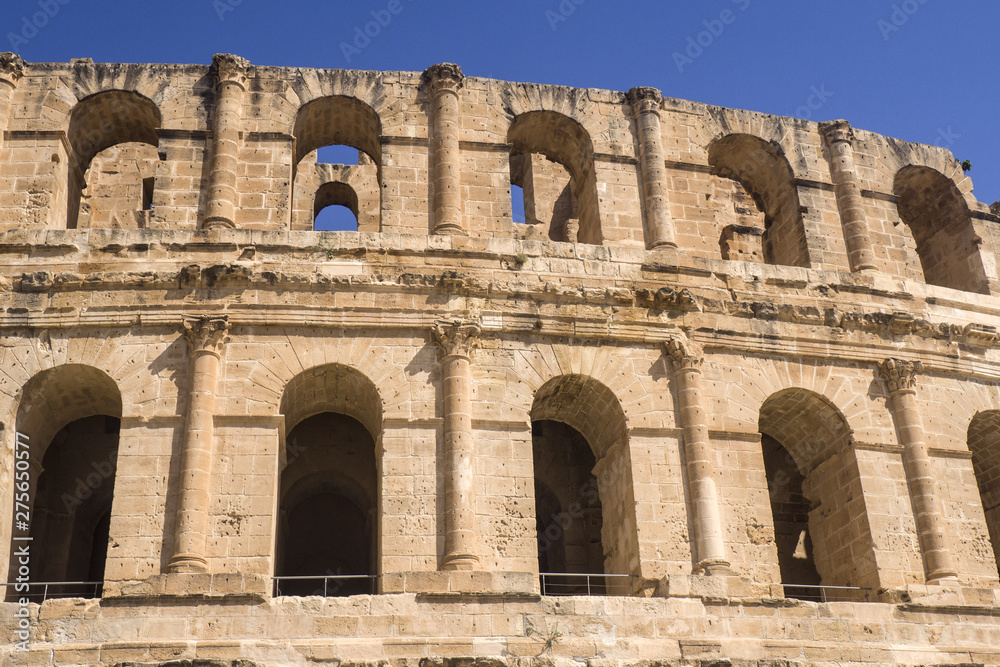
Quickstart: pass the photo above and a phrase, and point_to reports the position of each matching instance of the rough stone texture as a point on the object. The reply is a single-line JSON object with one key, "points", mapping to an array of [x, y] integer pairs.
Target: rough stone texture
{"points": [[772, 409]]}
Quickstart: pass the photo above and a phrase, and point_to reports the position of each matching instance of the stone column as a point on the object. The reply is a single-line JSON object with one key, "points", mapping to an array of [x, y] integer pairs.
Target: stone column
{"points": [[710, 548], [457, 339], [230, 82], [900, 377], [840, 140], [11, 71], [205, 338], [645, 103], [443, 83]]}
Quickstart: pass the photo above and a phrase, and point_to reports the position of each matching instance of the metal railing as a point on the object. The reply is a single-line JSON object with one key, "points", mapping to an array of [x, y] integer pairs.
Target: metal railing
{"points": [[40, 591], [326, 586], [559, 583], [819, 593]]}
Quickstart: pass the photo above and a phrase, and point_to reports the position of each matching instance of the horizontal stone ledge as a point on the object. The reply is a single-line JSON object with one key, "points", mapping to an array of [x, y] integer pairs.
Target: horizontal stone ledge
{"points": [[461, 582], [223, 588]]}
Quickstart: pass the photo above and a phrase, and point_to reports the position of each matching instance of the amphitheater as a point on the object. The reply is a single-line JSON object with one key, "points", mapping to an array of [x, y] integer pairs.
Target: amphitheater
{"points": [[725, 392]]}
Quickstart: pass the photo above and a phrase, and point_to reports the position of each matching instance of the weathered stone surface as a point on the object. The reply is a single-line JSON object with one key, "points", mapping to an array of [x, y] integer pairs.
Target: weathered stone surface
{"points": [[743, 369]]}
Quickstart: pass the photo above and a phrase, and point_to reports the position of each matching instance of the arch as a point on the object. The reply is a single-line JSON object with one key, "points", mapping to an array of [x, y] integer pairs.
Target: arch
{"points": [[337, 120], [816, 496], [938, 216], [337, 193], [764, 172], [332, 388], [99, 122], [581, 455], [984, 443], [568, 151], [344, 121], [328, 492], [70, 415]]}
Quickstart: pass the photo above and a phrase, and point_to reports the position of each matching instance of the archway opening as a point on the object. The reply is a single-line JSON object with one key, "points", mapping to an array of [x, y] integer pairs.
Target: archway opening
{"points": [[938, 217], [822, 536], [337, 149], [984, 443], [70, 417], [765, 203], [552, 161], [584, 504], [327, 536], [114, 137]]}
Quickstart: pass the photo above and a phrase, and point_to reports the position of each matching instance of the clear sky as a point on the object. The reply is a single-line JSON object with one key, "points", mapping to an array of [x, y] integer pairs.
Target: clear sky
{"points": [[921, 70]]}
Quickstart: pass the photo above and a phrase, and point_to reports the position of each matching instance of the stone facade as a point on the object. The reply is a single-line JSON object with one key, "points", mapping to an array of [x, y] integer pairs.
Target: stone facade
{"points": [[743, 370]]}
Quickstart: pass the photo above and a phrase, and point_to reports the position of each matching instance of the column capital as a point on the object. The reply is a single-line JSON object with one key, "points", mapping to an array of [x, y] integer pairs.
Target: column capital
{"points": [[899, 374], [206, 334], [837, 130], [11, 68], [443, 77], [643, 99], [457, 336], [684, 353], [227, 68]]}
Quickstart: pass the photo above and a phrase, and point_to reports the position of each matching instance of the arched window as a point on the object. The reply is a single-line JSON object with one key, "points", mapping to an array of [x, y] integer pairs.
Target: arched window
{"points": [[552, 161], [337, 162], [938, 217], [328, 503], [765, 204], [817, 503], [984, 443], [584, 510], [113, 136], [70, 417]]}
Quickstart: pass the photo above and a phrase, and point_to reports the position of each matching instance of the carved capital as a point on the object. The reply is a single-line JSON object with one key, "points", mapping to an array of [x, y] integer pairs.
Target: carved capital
{"points": [[643, 99], [684, 353], [11, 68], [443, 77], [899, 374], [206, 334], [837, 130], [457, 337], [227, 68]]}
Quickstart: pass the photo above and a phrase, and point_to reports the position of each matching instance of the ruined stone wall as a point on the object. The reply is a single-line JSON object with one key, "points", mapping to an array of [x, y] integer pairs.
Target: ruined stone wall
{"points": [[690, 278]]}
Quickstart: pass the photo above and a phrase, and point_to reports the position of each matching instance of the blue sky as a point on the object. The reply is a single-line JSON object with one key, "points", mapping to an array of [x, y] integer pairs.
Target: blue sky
{"points": [[920, 70]]}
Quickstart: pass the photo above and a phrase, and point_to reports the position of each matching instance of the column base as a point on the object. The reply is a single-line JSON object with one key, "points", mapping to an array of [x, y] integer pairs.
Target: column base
{"points": [[449, 228], [218, 223], [942, 577], [187, 564], [712, 567], [460, 562], [663, 245]]}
